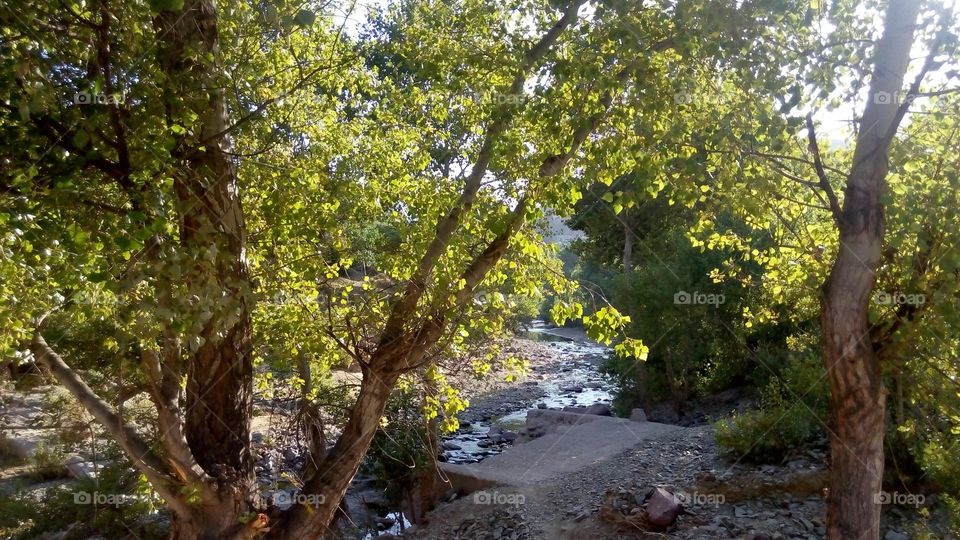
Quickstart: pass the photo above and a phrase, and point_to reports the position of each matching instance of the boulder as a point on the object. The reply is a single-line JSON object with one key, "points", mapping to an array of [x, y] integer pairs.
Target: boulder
{"points": [[82, 469], [638, 415], [662, 508], [598, 409]]}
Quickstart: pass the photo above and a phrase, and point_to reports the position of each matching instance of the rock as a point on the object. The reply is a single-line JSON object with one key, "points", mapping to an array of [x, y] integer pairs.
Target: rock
{"points": [[509, 436], [541, 405], [662, 508], [598, 409], [451, 446], [638, 415], [894, 534], [385, 523], [83, 470]]}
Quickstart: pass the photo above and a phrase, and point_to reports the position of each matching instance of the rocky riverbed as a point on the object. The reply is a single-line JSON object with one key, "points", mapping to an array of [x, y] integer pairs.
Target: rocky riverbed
{"points": [[563, 374]]}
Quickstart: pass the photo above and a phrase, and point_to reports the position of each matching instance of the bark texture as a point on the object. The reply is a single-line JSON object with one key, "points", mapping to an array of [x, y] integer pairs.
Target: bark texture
{"points": [[858, 397], [218, 396]]}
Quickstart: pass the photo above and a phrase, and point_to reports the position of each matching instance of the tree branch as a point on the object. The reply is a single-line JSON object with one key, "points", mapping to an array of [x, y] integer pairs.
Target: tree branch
{"points": [[824, 184], [136, 449], [405, 306]]}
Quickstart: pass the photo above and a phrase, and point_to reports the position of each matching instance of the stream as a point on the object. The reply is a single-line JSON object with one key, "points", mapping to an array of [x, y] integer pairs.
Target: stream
{"points": [[571, 379]]}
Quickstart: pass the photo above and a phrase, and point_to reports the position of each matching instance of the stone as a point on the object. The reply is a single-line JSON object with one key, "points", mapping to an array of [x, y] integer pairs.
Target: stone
{"points": [[662, 508], [894, 534], [82, 469], [598, 409], [638, 415]]}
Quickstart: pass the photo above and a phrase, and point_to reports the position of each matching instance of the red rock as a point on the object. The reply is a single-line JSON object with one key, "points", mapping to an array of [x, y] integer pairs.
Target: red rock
{"points": [[662, 508]]}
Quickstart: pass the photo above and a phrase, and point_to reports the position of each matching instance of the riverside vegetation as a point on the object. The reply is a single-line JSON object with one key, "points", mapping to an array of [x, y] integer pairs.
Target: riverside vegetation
{"points": [[260, 261]]}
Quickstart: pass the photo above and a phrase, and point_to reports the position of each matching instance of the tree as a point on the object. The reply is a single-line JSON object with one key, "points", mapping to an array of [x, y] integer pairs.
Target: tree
{"points": [[811, 226], [157, 231], [858, 396], [261, 118]]}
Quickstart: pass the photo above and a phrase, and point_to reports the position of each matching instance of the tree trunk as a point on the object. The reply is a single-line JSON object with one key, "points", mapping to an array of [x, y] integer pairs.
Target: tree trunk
{"points": [[424, 495], [213, 237], [858, 397], [329, 484], [313, 433]]}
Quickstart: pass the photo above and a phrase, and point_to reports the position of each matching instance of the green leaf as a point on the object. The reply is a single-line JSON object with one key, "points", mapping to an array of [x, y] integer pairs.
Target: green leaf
{"points": [[305, 17]]}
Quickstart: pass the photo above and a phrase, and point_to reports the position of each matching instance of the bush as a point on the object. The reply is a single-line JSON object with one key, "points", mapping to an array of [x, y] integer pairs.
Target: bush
{"points": [[791, 415], [66, 509], [400, 452], [48, 462], [764, 435]]}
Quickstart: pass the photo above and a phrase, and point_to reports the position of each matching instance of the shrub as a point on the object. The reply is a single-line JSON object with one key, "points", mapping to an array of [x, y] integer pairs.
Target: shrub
{"points": [[764, 435], [67, 510], [400, 452], [47, 462], [791, 415]]}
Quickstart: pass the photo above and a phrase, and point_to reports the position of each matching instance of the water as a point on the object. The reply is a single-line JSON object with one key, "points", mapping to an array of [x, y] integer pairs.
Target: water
{"points": [[576, 383], [400, 524]]}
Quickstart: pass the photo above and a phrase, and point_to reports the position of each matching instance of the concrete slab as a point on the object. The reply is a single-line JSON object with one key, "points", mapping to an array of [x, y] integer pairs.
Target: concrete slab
{"points": [[566, 449]]}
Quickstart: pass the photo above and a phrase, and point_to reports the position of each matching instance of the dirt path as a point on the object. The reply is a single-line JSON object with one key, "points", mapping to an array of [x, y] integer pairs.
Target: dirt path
{"points": [[725, 501]]}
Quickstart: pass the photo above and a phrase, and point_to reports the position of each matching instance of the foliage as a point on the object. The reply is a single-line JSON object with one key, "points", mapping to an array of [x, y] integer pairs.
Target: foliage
{"points": [[352, 149], [401, 451], [792, 414], [47, 461], [126, 507]]}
